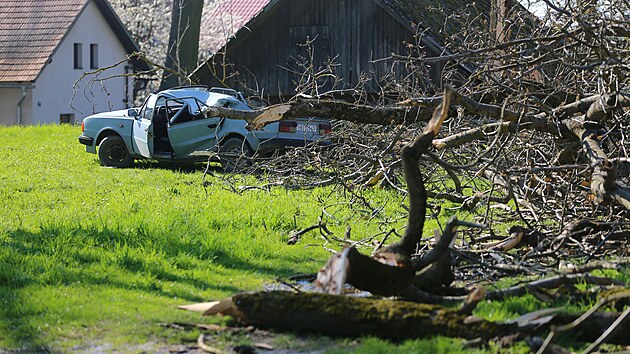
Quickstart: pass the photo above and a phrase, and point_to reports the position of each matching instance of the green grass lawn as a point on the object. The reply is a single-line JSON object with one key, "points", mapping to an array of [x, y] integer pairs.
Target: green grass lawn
{"points": [[89, 252], [94, 257]]}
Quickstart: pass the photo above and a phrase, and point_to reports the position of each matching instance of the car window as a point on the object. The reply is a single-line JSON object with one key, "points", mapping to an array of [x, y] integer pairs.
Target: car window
{"points": [[161, 102], [185, 109], [147, 109], [142, 108]]}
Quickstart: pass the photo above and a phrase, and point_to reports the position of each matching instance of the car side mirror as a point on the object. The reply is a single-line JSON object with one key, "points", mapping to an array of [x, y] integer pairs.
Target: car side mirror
{"points": [[132, 112]]}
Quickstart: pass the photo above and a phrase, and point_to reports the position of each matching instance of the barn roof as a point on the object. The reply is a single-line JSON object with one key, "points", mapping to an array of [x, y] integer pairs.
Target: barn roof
{"points": [[31, 31], [428, 15], [432, 15]]}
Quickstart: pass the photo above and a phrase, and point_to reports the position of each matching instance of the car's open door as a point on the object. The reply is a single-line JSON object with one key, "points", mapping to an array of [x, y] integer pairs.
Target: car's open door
{"points": [[189, 130], [143, 129]]}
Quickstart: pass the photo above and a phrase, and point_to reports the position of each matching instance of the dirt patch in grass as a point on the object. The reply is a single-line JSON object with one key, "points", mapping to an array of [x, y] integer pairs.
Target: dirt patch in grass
{"points": [[252, 340]]}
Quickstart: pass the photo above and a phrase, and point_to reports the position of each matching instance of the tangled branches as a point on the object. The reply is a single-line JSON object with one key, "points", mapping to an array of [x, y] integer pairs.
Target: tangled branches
{"points": [[536, 138]]}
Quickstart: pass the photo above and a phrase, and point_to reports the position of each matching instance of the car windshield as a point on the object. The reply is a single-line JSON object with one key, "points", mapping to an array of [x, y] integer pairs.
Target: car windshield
{"points": [[146, 111]]}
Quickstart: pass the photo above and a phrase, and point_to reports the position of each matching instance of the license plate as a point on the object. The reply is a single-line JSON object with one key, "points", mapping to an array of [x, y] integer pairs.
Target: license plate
{"points": [[310, 128]]}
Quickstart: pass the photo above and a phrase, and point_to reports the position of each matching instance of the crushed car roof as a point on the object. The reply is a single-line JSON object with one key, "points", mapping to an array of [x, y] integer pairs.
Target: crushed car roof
{"points": [[201, 93]]}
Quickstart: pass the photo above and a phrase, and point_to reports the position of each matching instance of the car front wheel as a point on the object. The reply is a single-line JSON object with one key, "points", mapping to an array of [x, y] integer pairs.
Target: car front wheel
{"points": [[113, 152], [234, 154]]}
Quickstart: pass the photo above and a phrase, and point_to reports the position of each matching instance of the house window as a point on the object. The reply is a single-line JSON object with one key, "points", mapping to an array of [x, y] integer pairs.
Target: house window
{"points": [[78, 56], [93, 56], [66, 118]]}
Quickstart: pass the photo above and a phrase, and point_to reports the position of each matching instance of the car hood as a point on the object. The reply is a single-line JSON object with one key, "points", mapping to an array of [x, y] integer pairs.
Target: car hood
{"points": [[113, 114]]}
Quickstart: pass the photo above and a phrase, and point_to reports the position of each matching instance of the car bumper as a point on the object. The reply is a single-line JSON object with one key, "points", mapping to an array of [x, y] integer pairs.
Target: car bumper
{"points": [[88, 142], [283, 143]]}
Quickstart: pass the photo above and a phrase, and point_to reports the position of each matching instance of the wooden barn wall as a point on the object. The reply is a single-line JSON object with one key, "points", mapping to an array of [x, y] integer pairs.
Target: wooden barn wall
{"points": [[355, 31]]}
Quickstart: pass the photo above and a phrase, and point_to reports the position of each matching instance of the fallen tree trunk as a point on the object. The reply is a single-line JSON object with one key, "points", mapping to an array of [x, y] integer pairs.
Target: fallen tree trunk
{"points": [[338, 110], [350, 316]]}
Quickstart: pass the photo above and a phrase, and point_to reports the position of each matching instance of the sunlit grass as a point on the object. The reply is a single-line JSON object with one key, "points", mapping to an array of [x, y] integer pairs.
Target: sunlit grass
{"points": [[87, 250]]}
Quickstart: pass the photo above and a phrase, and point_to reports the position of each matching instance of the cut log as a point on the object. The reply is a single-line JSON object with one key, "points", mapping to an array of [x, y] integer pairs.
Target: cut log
{"points": [[390, 274], [392, 319], [351, 316]]}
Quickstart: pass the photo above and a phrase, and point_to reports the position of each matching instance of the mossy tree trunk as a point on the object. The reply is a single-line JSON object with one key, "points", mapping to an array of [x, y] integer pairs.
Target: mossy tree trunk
{"points": [[351, 316]]}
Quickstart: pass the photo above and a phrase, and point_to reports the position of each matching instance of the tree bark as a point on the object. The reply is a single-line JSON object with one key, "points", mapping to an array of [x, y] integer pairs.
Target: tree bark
{"points": [[350, 316], [397, 320], [183, 42], [587, 129], [338, 110]]}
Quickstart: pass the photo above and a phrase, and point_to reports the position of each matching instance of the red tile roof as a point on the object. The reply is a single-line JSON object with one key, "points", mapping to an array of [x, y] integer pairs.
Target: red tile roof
{"points": [[233, 15], [29, 33], [242, 10]]}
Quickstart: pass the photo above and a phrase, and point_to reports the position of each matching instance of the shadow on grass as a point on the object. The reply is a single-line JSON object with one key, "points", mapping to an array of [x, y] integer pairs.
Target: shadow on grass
{"points": [[109, 259], [182, 167]]}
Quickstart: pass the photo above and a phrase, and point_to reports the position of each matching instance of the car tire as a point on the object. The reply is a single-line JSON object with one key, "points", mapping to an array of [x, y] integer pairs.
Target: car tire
{"points": [[234, 153], [113, 152]]}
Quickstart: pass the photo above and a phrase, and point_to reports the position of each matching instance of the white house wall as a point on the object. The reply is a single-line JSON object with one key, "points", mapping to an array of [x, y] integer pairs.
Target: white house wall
{"points": [[9, 98], [54, 95]]}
